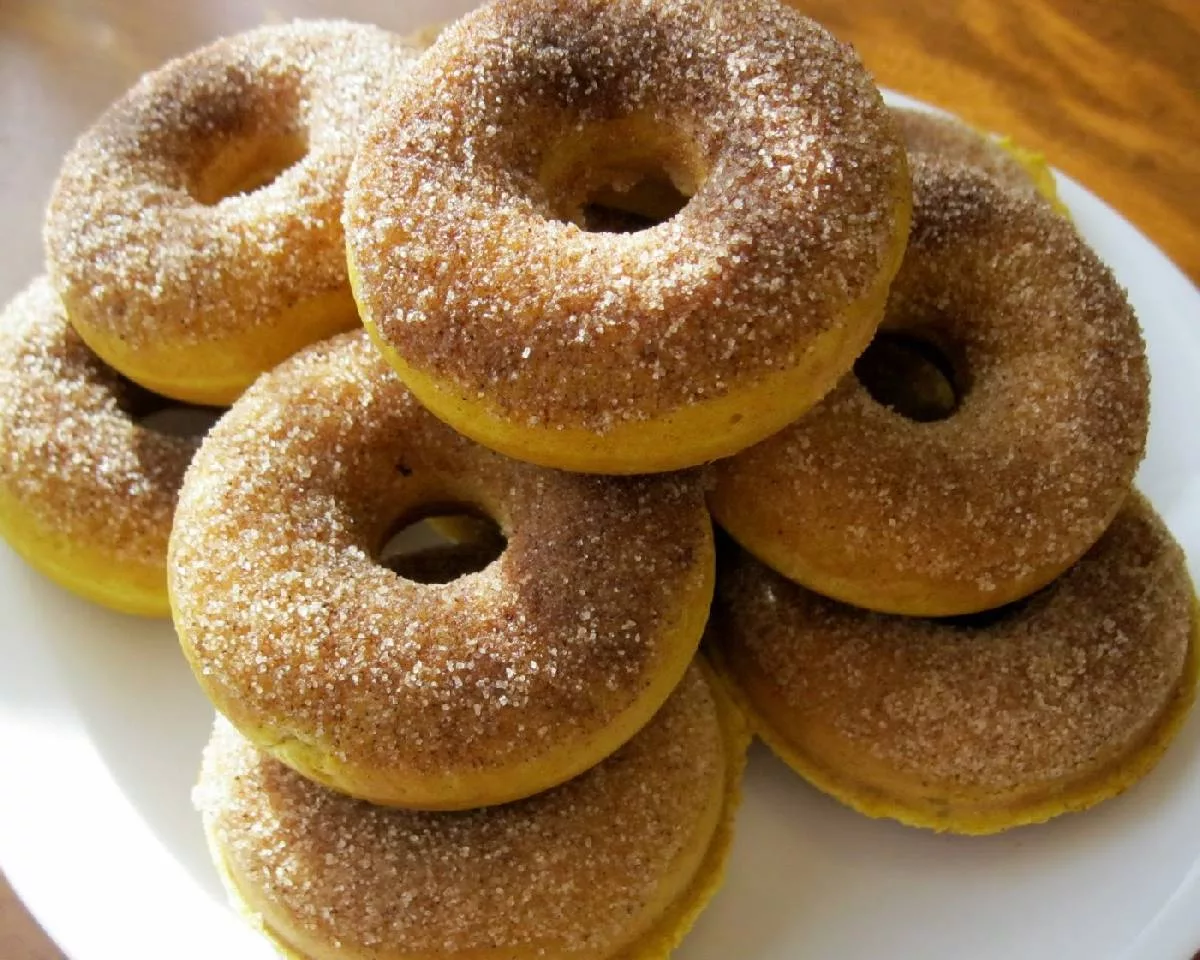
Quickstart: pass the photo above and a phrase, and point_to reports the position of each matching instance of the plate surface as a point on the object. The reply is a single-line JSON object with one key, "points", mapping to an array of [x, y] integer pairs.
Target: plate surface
{"points": [[102, 725]]}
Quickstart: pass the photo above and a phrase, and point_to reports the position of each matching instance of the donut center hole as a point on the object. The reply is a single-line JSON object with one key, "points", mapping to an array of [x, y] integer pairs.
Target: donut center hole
{"points": [[245, 166], [442, 546], [621, 176], [629, 207], [173, 418], [911, 375]]}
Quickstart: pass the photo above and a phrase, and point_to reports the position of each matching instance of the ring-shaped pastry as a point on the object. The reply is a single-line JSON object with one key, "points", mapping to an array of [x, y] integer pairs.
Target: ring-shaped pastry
{"points": [[194, 232], [492, 687], [635, 352], [999, 496]]}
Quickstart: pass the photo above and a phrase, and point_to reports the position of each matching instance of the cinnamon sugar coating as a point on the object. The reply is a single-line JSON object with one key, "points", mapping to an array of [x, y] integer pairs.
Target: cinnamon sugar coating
{"points": [[564, 873], [72, 458], [935, 137], [295, 628], [1054, 688], [472, 272], [1023, 477], [127, 238]]}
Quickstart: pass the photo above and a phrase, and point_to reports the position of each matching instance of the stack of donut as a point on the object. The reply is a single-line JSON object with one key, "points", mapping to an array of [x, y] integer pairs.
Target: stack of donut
{"points": [[624, 267]]}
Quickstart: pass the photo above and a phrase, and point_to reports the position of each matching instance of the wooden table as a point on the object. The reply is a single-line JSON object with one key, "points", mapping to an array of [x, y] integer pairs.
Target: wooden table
{"points": [[1109, 91]]}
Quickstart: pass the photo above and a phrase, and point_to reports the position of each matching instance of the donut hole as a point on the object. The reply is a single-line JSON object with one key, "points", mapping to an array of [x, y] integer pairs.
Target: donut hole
{"points": [[621, 176], [244, 166], [163, 415], [645, 203], [912, 375], [443, 545]]}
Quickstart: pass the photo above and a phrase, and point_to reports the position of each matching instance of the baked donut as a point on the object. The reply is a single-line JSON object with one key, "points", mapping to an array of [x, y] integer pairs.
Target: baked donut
{"points": [[1009, 487], [86, 493], [194, 232], [935, 137], [616, 863], [980, 723], [493, 687], [627, 352]]}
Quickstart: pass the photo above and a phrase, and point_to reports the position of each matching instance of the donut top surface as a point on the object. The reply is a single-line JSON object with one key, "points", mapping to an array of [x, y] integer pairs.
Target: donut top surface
{"points": [[71, 454], [278, 591], [1050, 426], [935, 138], [136, 233], [1048, 688], [562, 873], [458, 212]]}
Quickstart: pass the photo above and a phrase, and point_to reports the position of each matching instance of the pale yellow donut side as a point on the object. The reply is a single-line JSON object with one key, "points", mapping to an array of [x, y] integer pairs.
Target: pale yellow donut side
{"points": [[1037, 169], [214, 373]]}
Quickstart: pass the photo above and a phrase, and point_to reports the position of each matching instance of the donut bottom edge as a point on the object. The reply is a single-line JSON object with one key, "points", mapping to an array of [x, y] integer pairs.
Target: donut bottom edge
{"points": [[125, 586], [215, 372], [802, 555], [982, 817]]}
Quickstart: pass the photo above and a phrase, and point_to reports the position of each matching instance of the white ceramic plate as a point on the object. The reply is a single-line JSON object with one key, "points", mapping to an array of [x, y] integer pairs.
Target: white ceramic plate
{"points": [[101, 725]]}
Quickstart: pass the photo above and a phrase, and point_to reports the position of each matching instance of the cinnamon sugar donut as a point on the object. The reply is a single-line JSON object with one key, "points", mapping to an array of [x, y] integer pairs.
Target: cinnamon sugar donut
{"points": [[1010, 487], [616, 863], [492, 687], [936, 137], [194, 233], [86, 493], [975, 724], [644, 351]]}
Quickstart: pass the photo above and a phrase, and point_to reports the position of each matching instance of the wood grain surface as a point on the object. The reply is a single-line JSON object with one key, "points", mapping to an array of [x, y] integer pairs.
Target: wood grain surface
{"points": [[1108, 90]]}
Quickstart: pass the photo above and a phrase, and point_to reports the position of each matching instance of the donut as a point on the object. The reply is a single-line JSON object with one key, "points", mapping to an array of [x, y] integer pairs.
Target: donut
{"points": [[495, 686], [936, 137], [606, 352], [616, 863], [972, 724], [194, 232], [998, 495], [86, 492]]}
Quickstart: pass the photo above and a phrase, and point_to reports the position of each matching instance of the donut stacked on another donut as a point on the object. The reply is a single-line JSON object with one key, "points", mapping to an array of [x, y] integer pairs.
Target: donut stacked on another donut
{"points": [[567, 658], [493, 687], [189, 266], [194, 233], [990, 500], [633, 352]]}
